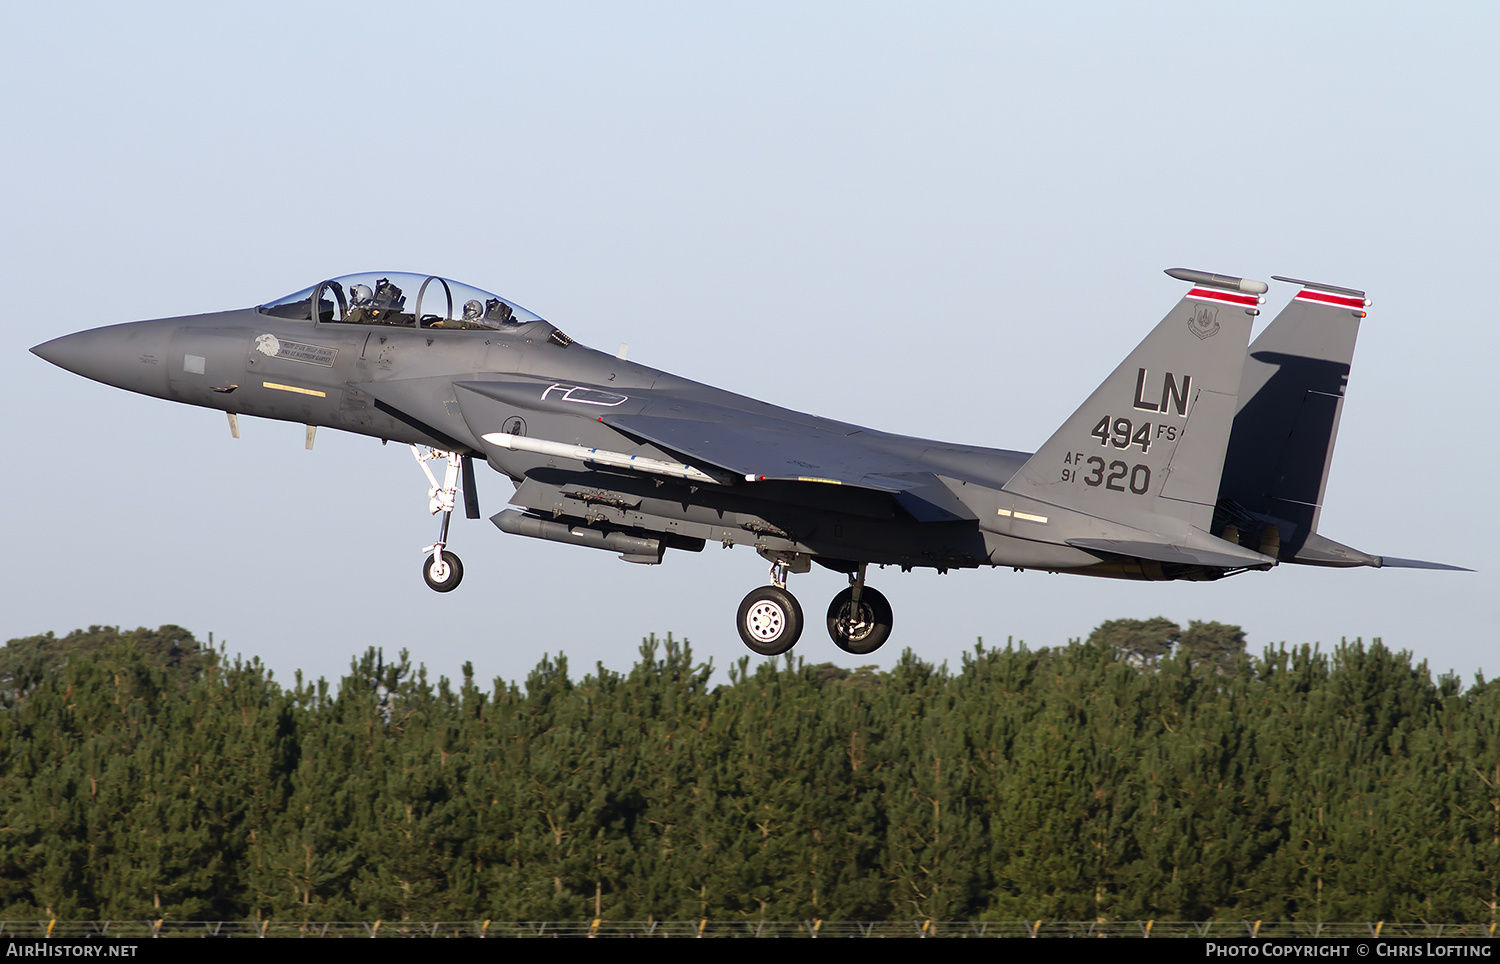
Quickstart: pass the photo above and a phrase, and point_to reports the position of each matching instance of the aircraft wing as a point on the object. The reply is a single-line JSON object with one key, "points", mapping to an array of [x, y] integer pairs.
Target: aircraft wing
{"points": [[763, 448], [755, 446]]}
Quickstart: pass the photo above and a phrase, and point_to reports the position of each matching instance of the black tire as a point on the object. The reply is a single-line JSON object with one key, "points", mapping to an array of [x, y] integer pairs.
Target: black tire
{"points": [[769, 621], [444, 576], [859, 633]]}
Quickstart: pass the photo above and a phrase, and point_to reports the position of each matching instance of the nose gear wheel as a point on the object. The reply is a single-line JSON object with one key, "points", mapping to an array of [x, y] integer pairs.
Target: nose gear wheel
{"points": [[442, 574]]}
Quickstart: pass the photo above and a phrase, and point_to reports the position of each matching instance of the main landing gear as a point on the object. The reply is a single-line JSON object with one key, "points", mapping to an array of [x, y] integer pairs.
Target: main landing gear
{"points": [[441, 569], [770, 618], [859, 618]]}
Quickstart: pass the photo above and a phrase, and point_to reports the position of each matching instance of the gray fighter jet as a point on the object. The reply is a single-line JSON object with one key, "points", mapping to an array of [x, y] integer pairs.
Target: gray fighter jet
{"points": [[1195, 459]]}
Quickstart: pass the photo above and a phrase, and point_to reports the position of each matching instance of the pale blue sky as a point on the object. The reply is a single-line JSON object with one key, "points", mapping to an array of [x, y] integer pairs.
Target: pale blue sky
{"points": [[947, 220]]}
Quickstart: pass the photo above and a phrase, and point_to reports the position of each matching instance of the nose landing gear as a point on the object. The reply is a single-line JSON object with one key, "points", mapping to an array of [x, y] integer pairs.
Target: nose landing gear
{"points": [[441, 570]]}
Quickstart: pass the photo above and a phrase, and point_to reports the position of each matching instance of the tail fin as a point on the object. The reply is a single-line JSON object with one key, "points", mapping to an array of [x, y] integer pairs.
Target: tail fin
{"points": [[1291, 398], [1147, 448]]}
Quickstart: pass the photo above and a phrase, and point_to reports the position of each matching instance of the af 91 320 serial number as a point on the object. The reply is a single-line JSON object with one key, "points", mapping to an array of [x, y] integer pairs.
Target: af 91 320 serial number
{"points": [[1115, 476]]}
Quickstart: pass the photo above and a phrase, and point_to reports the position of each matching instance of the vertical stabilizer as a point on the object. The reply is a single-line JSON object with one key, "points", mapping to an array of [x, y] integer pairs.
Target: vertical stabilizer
{"points": [[1290, 402], [1147, 448]]}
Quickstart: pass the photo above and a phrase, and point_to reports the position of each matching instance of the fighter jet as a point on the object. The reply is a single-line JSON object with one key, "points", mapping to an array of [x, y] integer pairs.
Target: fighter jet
{"points": [[1200, 456]]}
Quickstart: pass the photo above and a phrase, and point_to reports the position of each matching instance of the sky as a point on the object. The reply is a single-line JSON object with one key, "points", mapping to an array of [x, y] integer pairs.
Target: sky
{"points": [[947, 220]]}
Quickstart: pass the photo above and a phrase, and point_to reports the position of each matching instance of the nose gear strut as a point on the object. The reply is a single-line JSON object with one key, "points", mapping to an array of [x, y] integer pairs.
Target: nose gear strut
{"points": [[442, 569]]}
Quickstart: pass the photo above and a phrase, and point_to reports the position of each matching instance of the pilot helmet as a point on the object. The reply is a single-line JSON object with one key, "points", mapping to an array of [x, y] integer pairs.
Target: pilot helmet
{"points": [[360, 294]]}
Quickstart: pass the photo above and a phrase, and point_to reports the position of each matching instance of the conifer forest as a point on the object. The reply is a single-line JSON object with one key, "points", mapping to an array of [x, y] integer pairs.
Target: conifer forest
{"points": [[1148, 772]]}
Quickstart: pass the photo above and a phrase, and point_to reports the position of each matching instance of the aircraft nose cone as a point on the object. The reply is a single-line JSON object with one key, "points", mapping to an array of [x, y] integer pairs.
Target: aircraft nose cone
{"points": [[132, 357], [69, 351]]}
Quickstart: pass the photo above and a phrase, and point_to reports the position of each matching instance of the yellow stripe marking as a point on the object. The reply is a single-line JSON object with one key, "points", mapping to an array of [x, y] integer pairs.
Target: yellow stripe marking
{"points": [[808, 478], [294, 388], [1028, 517]]}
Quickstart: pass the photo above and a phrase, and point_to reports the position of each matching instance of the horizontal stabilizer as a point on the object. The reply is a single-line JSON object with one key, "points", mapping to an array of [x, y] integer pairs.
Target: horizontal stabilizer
{"points": [[1230, 557], [1394, 562], [1322, 551]]}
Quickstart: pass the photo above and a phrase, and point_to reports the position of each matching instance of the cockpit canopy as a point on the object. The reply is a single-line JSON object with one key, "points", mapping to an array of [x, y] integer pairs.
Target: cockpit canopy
{"points": [[400, 299]]}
